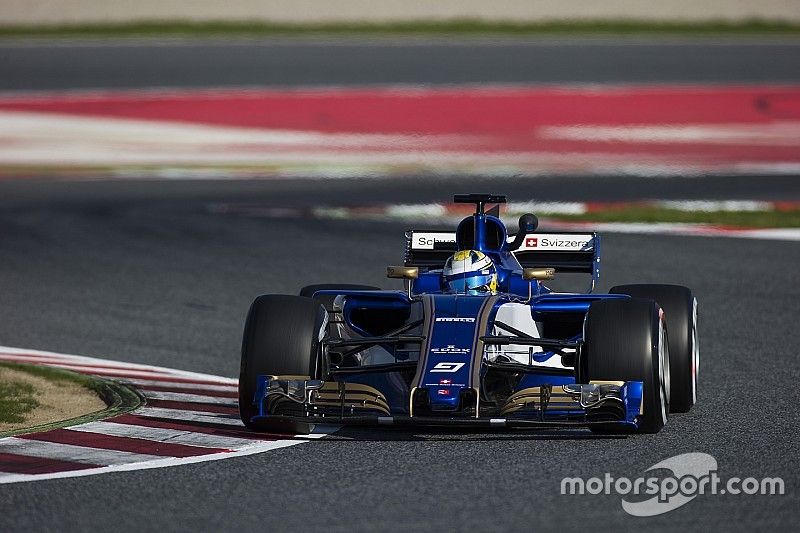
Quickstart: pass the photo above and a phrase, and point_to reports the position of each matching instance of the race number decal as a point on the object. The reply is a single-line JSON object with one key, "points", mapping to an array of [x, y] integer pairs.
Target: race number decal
{"points": [[447, 367]]}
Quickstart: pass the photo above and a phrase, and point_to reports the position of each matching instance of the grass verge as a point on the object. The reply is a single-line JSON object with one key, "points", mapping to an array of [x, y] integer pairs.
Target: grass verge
{"points": [[18, 400], [423, 28]]}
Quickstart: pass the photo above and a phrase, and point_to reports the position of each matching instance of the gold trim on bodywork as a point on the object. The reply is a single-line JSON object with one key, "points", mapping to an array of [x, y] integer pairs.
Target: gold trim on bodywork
{"points": [[531, 398], [540, 274], [536, 391], [402, 272], [350, 396]]}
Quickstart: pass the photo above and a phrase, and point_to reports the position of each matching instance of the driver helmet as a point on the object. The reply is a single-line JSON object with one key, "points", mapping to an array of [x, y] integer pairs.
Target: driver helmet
{"points": [[470, 272]]}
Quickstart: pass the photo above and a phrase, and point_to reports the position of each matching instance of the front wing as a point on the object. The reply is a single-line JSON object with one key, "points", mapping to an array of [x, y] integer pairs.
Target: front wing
{"points": [[614, 405]]}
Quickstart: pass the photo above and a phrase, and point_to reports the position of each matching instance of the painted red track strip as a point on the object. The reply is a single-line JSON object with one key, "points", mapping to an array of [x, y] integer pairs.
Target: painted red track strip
{"points": [[437, 110], [214, 393], [197, 427], [191, 406], [123, 444], [24, 464], [702, 126]]}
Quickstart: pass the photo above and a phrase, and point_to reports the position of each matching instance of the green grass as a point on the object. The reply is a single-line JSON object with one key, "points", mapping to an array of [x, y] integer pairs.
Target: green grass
{"points": [[119, 399], [456, 27], [16, 400], [749, 219]]}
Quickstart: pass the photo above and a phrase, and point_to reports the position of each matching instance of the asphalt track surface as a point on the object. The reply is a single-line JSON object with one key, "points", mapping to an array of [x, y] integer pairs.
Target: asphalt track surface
{"points": [[136, 64], [145, 272], [126, 272]]}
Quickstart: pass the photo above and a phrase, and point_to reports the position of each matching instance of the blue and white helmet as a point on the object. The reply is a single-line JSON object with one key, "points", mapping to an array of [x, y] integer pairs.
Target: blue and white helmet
{"points": [[470, 272]]}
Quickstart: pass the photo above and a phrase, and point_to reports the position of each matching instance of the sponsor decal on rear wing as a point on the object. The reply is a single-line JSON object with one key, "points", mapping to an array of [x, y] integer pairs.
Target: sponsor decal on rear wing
{"points": [[564, 242], [566, 252], [557, 242], [431, 240]]}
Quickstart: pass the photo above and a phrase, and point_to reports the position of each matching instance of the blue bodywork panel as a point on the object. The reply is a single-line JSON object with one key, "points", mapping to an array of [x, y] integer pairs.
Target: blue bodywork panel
{"points": [[435, 369]]}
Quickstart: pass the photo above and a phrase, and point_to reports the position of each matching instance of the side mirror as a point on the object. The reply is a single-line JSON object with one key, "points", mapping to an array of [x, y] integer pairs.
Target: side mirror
{"points": [[539, 274], [402, 272], [527, 225]]}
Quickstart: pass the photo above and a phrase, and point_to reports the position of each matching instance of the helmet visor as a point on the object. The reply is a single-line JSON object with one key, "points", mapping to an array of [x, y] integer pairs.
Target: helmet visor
{"points": [[469, 283]]}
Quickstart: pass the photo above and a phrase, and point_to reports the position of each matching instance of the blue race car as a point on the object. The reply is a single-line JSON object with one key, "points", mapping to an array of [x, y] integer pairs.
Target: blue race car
{"points": [[476, 339]]}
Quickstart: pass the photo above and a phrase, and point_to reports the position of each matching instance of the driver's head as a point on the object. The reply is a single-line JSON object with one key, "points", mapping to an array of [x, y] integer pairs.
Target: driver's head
{"points": [[470, 272]]}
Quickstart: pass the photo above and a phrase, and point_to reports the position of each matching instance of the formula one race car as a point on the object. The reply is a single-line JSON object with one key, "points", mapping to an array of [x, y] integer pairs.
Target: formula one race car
{"points": [[475, 340]]}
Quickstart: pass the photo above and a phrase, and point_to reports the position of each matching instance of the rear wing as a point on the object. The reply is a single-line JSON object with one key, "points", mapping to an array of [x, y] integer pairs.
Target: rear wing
{"points": [[566, 252]]}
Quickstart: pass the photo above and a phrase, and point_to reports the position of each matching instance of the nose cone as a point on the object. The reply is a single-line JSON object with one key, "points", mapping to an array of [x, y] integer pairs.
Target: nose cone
{"points": [[451, 351]]}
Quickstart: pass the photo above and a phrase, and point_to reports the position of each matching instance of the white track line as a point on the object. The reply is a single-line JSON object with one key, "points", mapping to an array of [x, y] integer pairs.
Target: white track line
{"points": [[190, 416], [64, 140], [439, 214], [89, 361], [680, 229], [191, 398], [111, 372], [143, 384], [72, 365], [258, 447], [171, 436], [69, 452]]}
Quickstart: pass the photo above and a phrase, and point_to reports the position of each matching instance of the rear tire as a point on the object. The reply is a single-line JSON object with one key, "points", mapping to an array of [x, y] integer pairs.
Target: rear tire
{"points": [[282, 336], [680, 313], [624, 340]]}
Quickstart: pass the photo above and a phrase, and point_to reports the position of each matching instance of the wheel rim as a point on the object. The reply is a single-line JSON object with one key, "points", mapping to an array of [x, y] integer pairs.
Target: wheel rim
{"points": [[664, 377], [320, 368], [695, 352]]}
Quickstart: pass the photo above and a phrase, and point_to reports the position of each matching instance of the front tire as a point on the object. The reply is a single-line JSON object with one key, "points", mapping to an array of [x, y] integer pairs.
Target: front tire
{"points": [[624, 340], [282, 337], [680, 313]]}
